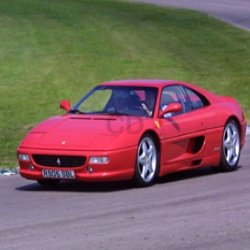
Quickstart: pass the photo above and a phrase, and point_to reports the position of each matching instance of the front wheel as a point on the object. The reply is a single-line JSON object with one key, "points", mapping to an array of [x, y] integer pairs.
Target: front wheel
{"points": [[230, 149], [147, 162]]}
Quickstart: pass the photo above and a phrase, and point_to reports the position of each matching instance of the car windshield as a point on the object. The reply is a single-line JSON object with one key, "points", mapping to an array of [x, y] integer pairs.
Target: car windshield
{"points": [[118, 100]]}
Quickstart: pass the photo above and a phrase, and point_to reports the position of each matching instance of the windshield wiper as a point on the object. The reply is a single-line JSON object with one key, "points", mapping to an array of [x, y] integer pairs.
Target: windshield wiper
{"points": [[76, 111], [115, 113]]}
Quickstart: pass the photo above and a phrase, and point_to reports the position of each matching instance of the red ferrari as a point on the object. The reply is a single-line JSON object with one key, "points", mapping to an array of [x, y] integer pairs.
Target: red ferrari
{"points": [[135, 130]]}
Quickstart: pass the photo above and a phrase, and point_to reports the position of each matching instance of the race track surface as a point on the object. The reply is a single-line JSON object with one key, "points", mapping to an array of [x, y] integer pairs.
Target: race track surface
{"points": [[192, 210], [236, 12]]}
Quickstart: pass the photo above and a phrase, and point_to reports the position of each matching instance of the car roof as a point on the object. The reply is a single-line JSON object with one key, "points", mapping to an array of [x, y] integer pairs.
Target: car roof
{"points": [[160, 84], [141, 82]]}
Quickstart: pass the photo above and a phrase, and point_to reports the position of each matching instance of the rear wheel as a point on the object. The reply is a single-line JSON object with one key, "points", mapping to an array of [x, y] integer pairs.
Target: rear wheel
{"points": [[230, 149], [147, 162]]}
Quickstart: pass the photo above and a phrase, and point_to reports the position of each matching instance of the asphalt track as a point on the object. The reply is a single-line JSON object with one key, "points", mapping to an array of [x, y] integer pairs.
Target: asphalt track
{"points": [[192, 210], [236, 12]]}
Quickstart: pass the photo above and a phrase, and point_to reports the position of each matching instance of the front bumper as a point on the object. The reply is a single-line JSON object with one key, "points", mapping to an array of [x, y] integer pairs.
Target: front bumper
{"points": [[120, 166]]}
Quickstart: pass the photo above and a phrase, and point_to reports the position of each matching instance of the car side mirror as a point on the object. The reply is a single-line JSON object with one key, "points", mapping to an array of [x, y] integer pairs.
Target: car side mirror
{"points": [[174, 107], [65, 104]]}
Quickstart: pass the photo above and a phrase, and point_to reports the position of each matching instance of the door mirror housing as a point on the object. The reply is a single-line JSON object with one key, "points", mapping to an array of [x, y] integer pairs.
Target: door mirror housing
{"points": [[65, 104], [174, 107]]}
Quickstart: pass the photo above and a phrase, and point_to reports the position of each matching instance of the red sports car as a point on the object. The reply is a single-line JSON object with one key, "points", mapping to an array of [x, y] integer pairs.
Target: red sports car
{"points": [[135, 130]]}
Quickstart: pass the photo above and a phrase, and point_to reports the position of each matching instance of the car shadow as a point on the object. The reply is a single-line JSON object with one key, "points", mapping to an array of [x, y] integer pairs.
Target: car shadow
{"points": [[68, 186], [189, 174], [75, 186], [186, 174]]}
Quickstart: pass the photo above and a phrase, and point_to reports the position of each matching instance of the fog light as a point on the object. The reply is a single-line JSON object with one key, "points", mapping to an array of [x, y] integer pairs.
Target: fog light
{"points": [[89, 169], [23, 157], [99, 160], [31, 167]]}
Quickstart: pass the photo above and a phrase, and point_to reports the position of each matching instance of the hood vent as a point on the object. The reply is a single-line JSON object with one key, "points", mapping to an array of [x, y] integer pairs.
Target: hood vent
{"points": [[104, 119], [80, 118], [93, 118]]}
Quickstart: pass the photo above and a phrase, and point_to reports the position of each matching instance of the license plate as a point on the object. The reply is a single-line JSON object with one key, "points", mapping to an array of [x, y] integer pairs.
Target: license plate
{"points": [[58, 174]]}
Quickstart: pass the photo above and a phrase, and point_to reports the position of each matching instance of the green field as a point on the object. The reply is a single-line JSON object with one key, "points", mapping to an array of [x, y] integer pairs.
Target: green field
{"points": [[58, 49]]}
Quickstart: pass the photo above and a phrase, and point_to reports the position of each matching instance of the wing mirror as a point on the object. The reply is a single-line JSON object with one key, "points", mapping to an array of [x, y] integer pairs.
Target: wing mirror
{"points": [[174, 107], [65, 104]]}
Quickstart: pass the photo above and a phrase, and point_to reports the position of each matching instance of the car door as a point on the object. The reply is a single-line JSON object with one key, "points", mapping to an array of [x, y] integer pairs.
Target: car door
{"points": [[183, 132]]}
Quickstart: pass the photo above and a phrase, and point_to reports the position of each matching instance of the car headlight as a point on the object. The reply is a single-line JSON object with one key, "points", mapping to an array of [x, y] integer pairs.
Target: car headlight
{"points": [[23, 157], [99, 160]]}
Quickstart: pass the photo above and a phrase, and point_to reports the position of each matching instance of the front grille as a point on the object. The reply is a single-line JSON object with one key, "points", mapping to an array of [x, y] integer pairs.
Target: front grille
{"points": [[59, 160]]}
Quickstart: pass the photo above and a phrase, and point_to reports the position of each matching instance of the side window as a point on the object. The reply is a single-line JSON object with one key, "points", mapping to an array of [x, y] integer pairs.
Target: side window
{"points": [[173, 94], [197, 101]]}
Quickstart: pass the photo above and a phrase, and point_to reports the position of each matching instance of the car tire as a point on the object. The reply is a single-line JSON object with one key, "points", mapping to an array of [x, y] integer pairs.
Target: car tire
{"points": [[147, 162], [230, 147], [48, 183]]}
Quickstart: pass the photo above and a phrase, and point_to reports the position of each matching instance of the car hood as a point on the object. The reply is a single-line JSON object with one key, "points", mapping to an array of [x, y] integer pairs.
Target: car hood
{"points": [[83, 132]]}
